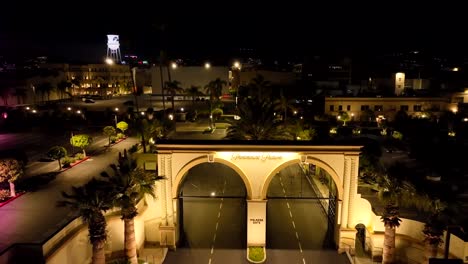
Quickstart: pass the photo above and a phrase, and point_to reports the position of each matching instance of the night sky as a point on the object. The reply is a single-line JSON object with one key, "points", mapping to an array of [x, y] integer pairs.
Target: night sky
{"points": [[77, 30]]}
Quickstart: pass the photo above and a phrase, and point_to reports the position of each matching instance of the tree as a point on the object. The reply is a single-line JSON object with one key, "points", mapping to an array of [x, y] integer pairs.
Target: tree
{"points": [[45, 88], [11, 170], [130, 184], [343, 116], [4, 94], [91, 201], [20, 94], [109, 131], [259, 87], [433, 232], [172, 89], [283, 105], [62, 87], [123, 126], [81, 141], [214, 89], [257, 122], [193, 91], [57, 153]]}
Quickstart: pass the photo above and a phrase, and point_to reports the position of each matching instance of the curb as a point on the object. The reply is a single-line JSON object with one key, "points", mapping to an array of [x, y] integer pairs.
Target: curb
{"points": [[117, 142], [12, 199], [71, 166]]}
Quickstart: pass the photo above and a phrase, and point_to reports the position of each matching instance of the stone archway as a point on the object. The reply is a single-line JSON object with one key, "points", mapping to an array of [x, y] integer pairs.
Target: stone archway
{"points": [[203, 159]]}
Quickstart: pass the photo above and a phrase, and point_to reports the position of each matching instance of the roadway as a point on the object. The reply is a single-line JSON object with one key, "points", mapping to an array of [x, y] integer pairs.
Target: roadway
{"points": [[214, 226]]}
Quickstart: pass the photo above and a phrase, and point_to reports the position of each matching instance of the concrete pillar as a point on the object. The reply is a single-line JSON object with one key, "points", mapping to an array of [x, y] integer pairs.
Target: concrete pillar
{"points": [[256, 222], [353, 176], [167, 228], [346, 186]]}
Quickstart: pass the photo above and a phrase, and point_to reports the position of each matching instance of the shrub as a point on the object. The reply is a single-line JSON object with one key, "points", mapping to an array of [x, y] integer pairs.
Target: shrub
{"points": [[256, 253], [113, 139], [79, 156], [217, 113], [4, 195], [133, 148], [67, 161], [120, 135]]}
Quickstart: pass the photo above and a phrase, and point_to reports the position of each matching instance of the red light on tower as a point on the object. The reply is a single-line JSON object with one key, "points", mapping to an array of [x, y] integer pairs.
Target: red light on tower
{"points": [[5, 115]]}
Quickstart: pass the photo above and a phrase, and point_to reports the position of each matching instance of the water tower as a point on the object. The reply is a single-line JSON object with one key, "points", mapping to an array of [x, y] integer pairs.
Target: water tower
{"points": [[113, 48]]}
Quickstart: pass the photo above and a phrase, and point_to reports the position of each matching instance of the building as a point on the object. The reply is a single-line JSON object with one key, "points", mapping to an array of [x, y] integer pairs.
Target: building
{"points": [[387, 107], [188, 76]]}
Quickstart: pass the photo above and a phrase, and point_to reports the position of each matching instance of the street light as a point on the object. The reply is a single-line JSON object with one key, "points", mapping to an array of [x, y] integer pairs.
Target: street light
{"points": [[174, 65], [109, 61], [237, 65], [207, 65]]}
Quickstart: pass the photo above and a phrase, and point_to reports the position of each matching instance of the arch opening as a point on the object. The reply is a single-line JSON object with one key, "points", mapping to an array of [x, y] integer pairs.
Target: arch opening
{"points": [[302, 201], [212, 203]]}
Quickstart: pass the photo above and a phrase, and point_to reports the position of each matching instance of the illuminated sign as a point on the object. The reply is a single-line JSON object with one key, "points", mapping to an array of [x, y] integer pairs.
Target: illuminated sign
{"points": [[256, 156]]}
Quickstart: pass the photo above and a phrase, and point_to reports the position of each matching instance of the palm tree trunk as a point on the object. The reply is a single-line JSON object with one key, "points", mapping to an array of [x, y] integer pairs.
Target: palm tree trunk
{"points": [[162, 84], [12, 189], [389, 246], [172, 102], [60, 164], [84, 153], [130, 242], [99, 255]]}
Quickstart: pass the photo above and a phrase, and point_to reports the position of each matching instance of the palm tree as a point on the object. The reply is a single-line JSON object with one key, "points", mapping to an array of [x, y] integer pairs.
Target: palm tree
{"points": [[62, 87], [214, 89], [173, 88], [433, 232], [283, 105], [193, 91], [259, 87], [45, 88], [257, 122], [130, 184], [20, 94], [4, 94], [91, 201]]}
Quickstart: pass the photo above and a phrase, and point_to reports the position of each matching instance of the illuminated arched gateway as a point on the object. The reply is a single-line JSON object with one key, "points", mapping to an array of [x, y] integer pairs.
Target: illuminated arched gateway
{"points": [[257, 170]]}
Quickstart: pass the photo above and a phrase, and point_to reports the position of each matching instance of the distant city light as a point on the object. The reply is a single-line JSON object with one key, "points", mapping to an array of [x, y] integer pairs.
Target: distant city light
{"points": [[455, 69], [69, 108]]}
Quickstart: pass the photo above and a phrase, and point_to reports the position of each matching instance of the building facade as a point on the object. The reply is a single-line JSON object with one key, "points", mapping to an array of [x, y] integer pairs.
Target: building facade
{"points": [[386, 107]]}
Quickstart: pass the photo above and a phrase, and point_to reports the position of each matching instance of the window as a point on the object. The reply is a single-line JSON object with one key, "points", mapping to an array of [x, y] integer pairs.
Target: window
{"points": [[417, 108], [404, 108], [340, 108], [348, 108], [364, 107], [332, 108], [436, 107], [378, 108]]}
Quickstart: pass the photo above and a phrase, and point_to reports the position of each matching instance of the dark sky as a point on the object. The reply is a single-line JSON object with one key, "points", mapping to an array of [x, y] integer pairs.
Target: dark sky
{"points": [[77, 29]]}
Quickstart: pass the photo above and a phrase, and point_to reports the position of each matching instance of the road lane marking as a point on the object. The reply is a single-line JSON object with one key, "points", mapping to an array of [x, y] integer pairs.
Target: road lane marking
{"points": [[212, 248], [294, 225], [297, 235], [209, 261], [290, 214], [287, 203], [219, 214], [300, 246], [220, 206], [303, 260]]}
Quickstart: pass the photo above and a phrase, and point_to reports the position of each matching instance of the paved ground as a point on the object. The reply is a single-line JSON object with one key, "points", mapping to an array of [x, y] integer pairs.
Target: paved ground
{"points": [[34, 217]]}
